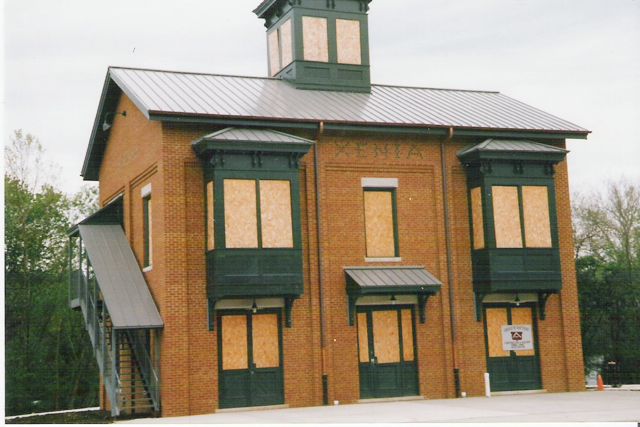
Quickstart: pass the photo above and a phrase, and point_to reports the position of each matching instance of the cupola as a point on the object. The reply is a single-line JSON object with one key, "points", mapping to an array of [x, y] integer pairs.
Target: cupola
{"points": [[318, 44]]}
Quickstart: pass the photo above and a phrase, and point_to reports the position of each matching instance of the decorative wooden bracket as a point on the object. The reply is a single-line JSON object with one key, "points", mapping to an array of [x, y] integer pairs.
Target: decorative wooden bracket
{"points": [[217, 156], [478, 297], [352, 309], [288, 306], [422, 307], [542, 304], [211, 302]]}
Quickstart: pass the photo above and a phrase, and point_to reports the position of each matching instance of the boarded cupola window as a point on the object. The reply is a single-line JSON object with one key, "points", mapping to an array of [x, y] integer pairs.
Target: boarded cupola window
{"points": [[280, 47], [315, 40], [348, 41]]}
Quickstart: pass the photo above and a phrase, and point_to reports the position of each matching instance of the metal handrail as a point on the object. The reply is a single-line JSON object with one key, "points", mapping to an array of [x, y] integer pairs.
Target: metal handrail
{"points": [[145, 363]]}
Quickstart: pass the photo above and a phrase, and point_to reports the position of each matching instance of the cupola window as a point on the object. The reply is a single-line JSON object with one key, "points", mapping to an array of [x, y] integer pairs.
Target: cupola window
{"points": [[314, 39], [348, 41]]}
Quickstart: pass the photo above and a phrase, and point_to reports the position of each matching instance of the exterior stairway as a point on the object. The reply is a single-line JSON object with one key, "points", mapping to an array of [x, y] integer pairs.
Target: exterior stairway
{"points": [[123, 351]]}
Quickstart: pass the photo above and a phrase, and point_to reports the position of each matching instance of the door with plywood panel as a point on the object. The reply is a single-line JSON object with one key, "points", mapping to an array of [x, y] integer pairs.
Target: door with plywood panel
{"points": [[511, 370], [250, 359], [386, 351]]}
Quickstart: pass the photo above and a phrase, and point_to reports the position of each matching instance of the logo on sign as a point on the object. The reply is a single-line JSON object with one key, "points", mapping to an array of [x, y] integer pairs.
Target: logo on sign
{"points": [[517, 337]]}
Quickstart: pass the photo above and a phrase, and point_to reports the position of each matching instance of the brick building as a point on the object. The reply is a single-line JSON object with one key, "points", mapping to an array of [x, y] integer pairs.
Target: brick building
{"points": [[310, 237]]}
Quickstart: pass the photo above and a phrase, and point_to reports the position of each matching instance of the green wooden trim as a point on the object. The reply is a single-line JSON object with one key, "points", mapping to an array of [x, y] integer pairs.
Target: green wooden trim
{"points": [[146, 201], [394, 213]]}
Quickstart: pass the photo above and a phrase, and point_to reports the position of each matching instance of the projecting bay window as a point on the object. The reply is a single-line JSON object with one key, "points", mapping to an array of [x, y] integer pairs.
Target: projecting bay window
{"points": [[380, 218], [521, 216], [257, 214], [147, 238]]}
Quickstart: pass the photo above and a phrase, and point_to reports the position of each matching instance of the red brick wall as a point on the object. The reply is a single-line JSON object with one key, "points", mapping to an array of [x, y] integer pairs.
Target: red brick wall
{"points": [[178, 281]]}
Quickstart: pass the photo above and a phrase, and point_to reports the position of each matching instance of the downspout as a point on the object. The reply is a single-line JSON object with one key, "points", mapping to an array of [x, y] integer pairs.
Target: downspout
{"points": [[323, 325], [447, 232]]}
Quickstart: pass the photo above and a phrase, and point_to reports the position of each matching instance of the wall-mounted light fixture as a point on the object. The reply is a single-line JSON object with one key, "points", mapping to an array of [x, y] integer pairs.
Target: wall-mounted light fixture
{"points": [[517, 300], [254, 307], [108, 119], [393, 300]]}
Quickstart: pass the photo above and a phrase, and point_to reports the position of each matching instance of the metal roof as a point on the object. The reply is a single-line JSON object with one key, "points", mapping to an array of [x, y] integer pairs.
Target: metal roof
{"points": [[158, 93], [391, 277], [254, 135], [514, 146], [123, 287]]}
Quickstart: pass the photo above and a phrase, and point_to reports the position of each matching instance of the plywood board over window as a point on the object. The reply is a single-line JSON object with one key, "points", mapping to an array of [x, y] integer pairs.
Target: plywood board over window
{"points": [[286, 44], [386, 342], [266, 347], [234, 342], [210, 218], [363, 338], [348, 41], [496, 319], [314, 39], [240, 217], [275, 214], [477, 218], [379, 228], [523, 316], [274, 52], [506, 217], [407, 335], [537, 227]]}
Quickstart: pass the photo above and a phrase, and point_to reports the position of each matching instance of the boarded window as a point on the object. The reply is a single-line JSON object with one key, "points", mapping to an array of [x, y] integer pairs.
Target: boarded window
{"points": [[234, 342], [477, 218], [240, 217], [286, 47], [275, 214], [407, 335], [386, 342], [210, 218], [506, 214], [537, 228], [523, 316], [266, 347], [363, 338], [496, 319], [314, 39], [274, 52], [379, 224], [348, 41]]}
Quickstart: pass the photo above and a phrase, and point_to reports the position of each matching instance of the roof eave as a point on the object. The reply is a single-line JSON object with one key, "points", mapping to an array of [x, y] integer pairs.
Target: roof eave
{"points": [[259, 121]]}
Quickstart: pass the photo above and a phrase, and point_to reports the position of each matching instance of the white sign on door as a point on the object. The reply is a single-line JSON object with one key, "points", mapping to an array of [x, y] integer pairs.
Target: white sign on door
{"points": [[517, 337]]}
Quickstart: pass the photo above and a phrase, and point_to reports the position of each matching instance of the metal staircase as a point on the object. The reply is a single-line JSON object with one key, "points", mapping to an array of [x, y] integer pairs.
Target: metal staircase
{"points": [[124, 356]]}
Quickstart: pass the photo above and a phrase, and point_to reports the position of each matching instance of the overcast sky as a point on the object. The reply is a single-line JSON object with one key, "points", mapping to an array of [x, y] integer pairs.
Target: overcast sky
{"points": [[577, 59]]}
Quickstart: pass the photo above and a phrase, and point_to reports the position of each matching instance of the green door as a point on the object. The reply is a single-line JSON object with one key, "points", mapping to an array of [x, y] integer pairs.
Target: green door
{"points": [[386, 350], [250, 359], [511, 370]]}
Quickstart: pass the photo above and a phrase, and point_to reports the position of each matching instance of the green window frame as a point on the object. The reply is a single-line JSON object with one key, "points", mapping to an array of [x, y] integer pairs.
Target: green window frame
{"points": [[264, 238], [374, 227], [147, 236], [526, 237]]}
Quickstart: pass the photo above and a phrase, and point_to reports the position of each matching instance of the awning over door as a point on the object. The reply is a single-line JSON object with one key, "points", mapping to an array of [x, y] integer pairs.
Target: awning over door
{"points": [[120, 280], [411, 280]]}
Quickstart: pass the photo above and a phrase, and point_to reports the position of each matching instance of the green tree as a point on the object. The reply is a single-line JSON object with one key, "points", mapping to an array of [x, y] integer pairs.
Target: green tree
{"points": [[45, 342], [607, 237]]}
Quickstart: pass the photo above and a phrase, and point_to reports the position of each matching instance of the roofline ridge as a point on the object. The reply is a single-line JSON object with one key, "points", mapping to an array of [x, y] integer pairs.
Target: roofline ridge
{"points": [[435, 88], [157, 70]]}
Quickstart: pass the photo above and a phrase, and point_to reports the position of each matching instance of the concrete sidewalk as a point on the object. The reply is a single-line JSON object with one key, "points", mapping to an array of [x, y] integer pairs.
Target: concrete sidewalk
{"points": [[559, 407]]}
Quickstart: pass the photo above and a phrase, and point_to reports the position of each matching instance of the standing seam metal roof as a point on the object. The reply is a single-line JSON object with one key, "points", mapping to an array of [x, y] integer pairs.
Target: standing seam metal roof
{"points": [[372, 277], [121, 282], [158, 92]]}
